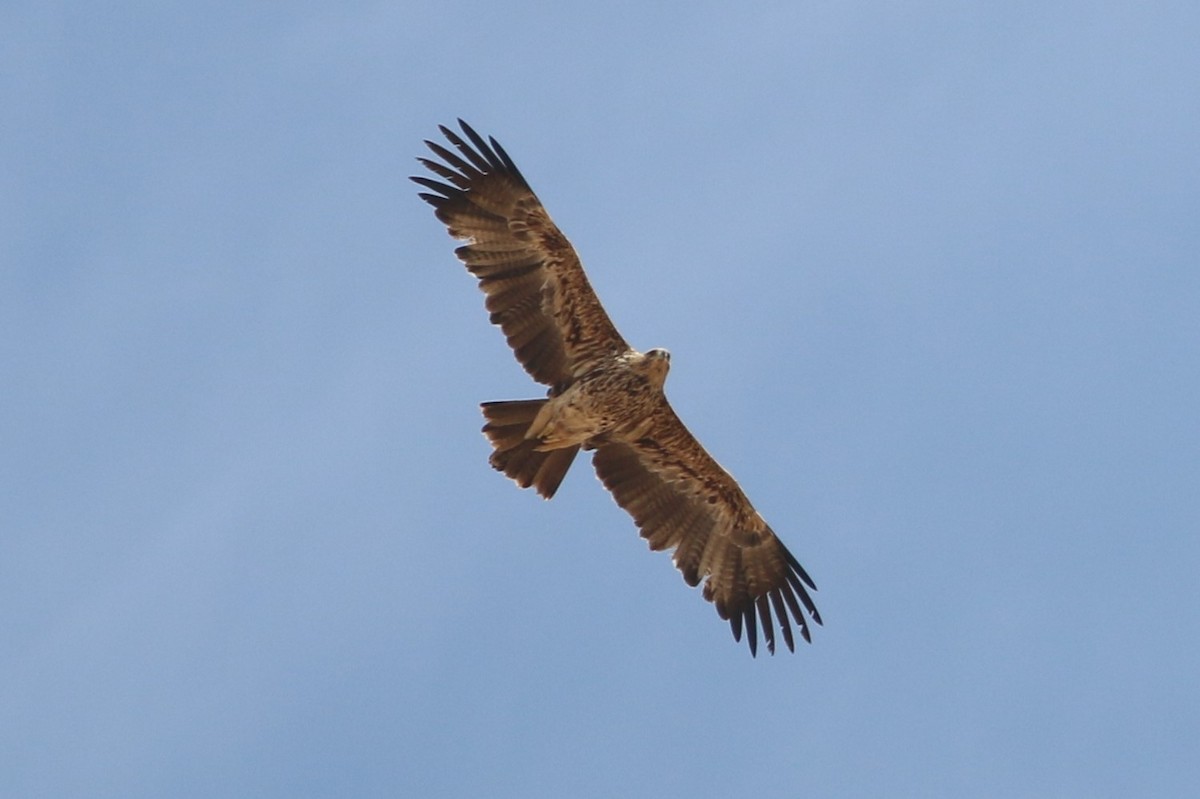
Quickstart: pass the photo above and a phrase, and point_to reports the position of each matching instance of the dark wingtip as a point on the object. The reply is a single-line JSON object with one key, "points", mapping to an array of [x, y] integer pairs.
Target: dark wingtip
{"points": [[784, 624], [433, 185], [470, 157], [768, 625], [751, 629], [507, 161], [798, 569]]}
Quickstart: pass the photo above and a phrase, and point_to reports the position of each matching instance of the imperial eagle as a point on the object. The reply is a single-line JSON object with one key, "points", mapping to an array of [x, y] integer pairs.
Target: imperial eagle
{"points": [[604, 397]]}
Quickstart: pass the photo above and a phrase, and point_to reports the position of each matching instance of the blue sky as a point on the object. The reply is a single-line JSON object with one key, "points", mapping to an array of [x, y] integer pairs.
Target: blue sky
{"points": [[929, 275]]}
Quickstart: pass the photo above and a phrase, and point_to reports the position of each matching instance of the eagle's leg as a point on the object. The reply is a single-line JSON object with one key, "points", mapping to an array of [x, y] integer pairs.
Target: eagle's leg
{"points": [[519, 457]]}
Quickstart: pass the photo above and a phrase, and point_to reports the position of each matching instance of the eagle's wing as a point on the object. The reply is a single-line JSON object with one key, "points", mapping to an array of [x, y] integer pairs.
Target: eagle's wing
{"points": [[681, 498], [536, 289]]}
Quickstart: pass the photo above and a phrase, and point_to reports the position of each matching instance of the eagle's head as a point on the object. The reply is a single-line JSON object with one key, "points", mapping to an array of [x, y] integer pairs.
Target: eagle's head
{"points": [[657, 363]]}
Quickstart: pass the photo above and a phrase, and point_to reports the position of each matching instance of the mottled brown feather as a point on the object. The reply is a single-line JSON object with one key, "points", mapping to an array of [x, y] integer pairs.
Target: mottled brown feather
{"points": [[680, 497], [551, 316]]}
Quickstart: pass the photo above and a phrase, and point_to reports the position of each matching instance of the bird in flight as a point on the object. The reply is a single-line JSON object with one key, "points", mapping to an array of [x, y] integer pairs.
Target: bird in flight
{"points": [[604, 397]]}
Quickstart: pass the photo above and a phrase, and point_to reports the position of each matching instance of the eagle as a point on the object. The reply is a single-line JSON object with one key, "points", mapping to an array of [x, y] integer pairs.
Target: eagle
{"points": [[604, 397]]}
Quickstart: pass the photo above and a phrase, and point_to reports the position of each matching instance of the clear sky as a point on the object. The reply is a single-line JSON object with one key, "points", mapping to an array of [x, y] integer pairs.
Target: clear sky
{"points": [[929, 273]]}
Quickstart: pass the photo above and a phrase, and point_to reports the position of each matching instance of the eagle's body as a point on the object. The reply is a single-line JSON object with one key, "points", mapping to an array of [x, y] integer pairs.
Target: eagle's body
{"points": [[604, 396], [613, 399]]}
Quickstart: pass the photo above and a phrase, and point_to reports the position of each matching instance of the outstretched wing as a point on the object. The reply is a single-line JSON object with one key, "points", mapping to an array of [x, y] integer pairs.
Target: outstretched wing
{"points": [[681, 498], [536, 289]]}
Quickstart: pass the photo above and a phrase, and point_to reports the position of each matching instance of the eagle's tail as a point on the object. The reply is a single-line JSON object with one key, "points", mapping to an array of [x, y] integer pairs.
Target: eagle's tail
{"points": [[516, 455]]}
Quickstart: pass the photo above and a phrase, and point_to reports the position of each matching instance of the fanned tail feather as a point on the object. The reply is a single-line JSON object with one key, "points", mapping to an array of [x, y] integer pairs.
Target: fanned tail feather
{"points": [[517, 456]]}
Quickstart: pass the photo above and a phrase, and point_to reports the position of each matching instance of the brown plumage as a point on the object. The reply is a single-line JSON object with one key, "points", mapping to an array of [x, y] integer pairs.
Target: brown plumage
{"points": [[604, 396]]}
